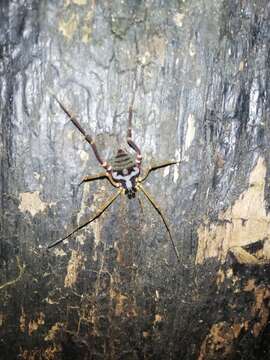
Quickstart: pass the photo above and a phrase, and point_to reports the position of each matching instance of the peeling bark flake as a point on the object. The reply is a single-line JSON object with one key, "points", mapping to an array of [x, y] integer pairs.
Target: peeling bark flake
{"points": [[30, 201], [242, 224]]}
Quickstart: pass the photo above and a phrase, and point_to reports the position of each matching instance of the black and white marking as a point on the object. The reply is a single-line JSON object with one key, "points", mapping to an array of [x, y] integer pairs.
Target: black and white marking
{"points": [[127, 179]]}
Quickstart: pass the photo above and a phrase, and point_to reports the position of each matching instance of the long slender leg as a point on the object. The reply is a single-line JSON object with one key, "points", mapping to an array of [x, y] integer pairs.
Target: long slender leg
{"points": [[99, 212], [94, 177], [157, 166], [87, 137], [152, 201], [99, 176], [130, 142]]}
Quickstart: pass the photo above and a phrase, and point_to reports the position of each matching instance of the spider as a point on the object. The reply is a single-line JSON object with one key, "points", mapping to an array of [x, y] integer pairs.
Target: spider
{"points": [[123, 171]]}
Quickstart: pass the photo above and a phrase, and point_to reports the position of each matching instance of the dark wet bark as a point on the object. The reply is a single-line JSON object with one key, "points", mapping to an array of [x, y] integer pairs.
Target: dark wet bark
{"points": [[198, 74]]}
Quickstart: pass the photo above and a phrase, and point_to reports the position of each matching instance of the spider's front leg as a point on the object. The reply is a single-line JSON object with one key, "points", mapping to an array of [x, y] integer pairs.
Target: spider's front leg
{"points": [[156, 206], [156, 166], [97, 215], [103, 175]]}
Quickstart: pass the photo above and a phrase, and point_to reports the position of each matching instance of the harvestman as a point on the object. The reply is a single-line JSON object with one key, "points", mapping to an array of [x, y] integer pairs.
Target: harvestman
{"points": [[123, 171]]}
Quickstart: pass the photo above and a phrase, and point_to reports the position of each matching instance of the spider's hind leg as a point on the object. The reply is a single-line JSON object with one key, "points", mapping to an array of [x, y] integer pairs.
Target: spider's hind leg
{"points": [[87, 137], [130, 141]]}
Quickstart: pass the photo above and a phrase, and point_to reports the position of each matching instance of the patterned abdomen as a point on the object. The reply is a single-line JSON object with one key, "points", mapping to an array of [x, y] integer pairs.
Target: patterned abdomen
{"points": [[122, 160], [125, 170]]}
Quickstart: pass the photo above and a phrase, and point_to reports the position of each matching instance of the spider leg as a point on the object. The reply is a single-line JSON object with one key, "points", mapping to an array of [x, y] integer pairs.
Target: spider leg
{"points": [[87, 137], [94, 177], [157, 166], [97, 215], [155, 205], [130, 142], [99, 176]]}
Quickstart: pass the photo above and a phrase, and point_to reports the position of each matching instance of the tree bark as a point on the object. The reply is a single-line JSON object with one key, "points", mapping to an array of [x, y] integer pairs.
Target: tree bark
{"points": [[197, 74]]}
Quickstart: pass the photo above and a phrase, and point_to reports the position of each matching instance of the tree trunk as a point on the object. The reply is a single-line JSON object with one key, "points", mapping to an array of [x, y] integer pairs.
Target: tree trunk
{"points": [[197, 74]]}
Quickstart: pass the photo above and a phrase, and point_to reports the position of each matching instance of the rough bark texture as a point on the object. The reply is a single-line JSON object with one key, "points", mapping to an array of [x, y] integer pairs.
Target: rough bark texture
{"points": [[198, 71]]}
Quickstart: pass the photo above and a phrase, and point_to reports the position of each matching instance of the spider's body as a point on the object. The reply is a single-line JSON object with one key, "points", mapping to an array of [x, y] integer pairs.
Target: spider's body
{"points": [[123, 171], [122, 160]]}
